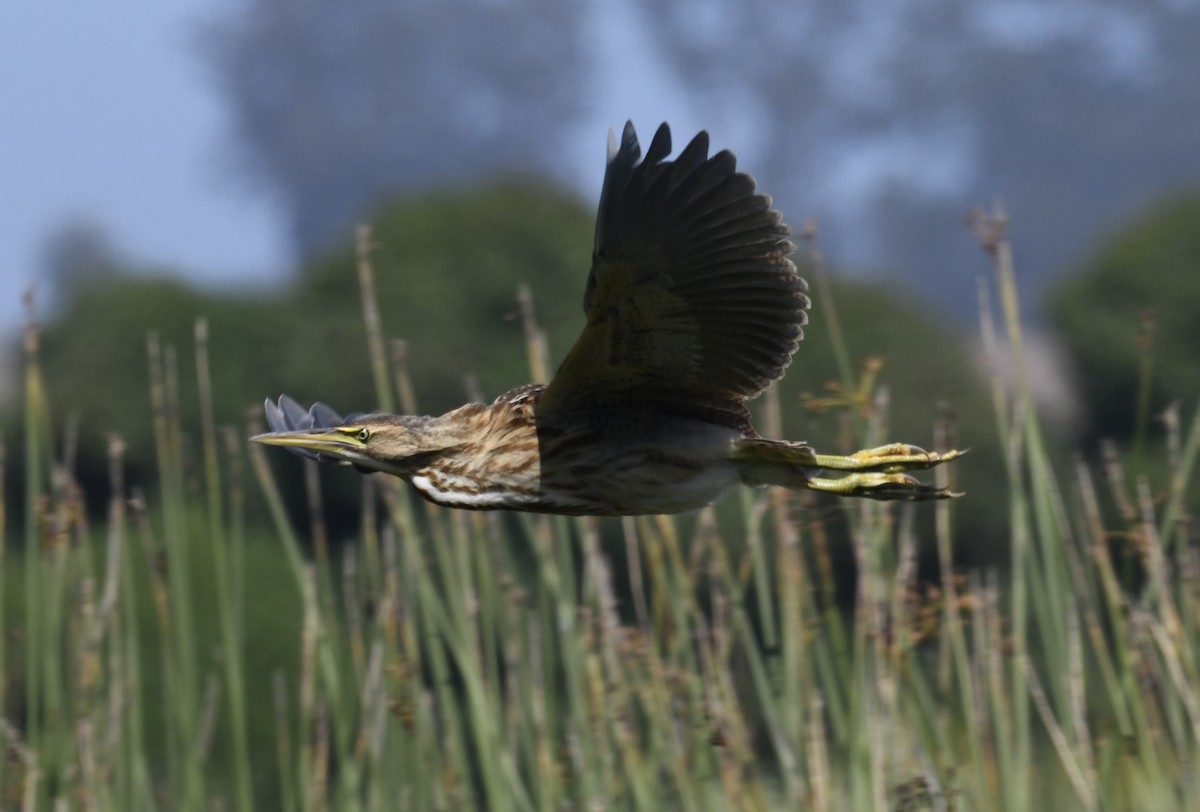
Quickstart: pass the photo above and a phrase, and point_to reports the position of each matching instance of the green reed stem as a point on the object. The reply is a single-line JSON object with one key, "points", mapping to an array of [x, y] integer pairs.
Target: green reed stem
{"points": [[231, 638]]}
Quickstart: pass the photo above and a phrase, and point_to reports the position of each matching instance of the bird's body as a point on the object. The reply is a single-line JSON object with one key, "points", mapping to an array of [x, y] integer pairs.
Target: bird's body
{"points": [[692, 308], [645, 462]]}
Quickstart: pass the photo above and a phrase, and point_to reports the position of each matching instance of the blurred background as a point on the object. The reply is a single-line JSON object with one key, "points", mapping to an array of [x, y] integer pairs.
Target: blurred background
{"points": [[192, 159], [170, 162]]}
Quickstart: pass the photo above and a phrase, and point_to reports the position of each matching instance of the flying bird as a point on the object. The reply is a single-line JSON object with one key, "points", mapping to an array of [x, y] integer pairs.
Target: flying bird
{"points": [[693, 307]]}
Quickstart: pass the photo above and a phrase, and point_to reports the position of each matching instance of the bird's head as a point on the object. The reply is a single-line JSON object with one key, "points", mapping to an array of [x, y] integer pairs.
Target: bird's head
{"points": [[393, 444]]}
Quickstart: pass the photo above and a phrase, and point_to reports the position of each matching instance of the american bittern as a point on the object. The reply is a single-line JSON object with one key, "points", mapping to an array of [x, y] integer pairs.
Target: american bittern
{"points": [[692, 308]]}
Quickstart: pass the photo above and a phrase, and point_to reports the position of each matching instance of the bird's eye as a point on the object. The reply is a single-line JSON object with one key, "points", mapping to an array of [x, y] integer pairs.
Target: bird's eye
{"points": [[363, 435]]}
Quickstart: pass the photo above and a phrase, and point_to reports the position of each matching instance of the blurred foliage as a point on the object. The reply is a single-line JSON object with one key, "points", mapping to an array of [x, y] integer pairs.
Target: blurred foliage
{"points": [[446, 269], [1143, 284], [95, 359], [336, 106]]}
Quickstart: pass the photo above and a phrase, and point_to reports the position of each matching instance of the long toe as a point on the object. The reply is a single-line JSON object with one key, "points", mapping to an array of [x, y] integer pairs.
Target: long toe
{"points": [[884, 486], [889, 459]]}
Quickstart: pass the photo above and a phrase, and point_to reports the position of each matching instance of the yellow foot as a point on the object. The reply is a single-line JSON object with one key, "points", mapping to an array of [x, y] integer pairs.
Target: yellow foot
{"points": [[883, 486], [889, 459]]}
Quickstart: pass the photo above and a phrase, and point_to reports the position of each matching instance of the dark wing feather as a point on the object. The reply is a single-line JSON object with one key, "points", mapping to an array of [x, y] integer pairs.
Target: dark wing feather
{"points": [[691, 294]]}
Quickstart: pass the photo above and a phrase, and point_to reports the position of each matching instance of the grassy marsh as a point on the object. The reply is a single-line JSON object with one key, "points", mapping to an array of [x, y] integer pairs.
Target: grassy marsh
{"points": [[454, 660]]}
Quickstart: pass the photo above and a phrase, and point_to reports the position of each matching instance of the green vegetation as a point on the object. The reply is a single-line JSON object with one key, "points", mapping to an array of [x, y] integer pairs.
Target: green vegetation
{"points": [[449, 660], [1128, 319]]}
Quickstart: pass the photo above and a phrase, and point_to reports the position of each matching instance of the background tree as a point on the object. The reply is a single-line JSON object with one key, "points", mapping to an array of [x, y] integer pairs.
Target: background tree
{"points": [[1146, 278], [884, 123], [338, 106], [79, 254], [889, 122]]}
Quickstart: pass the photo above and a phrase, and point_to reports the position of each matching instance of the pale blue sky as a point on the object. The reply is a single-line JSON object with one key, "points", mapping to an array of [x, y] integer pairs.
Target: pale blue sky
{"points": [[109, 113]]}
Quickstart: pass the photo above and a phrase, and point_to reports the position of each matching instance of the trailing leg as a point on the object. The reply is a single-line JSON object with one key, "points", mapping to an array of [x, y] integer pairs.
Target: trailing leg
{"points": [[875, 473]]}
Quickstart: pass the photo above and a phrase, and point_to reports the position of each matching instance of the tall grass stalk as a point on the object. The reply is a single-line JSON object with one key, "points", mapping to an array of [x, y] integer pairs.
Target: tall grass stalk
{"points": [[224, 571], [35, 575]]}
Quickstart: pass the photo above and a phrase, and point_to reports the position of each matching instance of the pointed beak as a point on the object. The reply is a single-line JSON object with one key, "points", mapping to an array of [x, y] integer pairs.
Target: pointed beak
{"points": [[316, 444], [314, 434]]}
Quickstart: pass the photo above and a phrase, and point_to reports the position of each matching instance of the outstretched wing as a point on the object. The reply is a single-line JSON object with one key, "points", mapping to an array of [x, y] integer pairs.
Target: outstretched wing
{"points": [[691, 296]]}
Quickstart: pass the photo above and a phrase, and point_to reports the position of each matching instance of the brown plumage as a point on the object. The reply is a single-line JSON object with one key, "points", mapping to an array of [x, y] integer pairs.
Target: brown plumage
{"points": [[692, 308]]}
